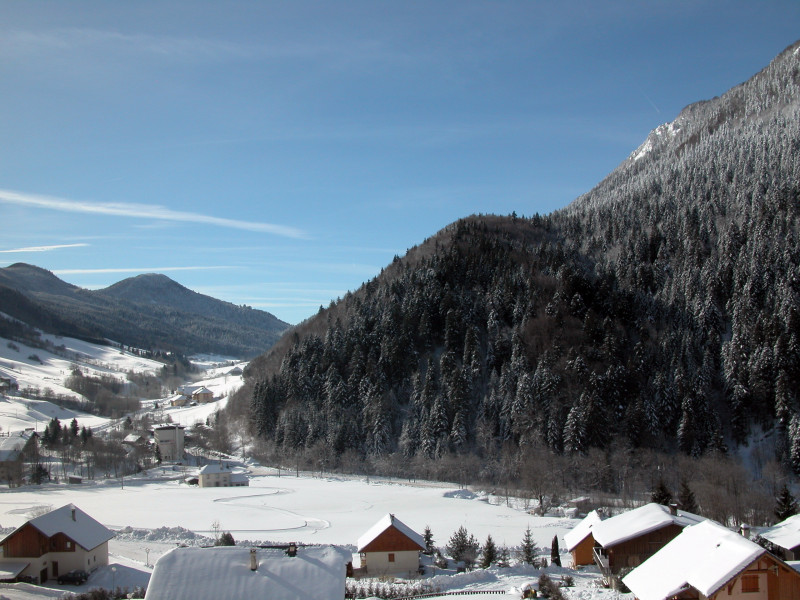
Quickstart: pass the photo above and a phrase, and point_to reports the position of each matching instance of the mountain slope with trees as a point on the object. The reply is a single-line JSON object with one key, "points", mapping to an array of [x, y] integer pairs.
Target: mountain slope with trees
{"points": [[148, 311], [660, 310]]}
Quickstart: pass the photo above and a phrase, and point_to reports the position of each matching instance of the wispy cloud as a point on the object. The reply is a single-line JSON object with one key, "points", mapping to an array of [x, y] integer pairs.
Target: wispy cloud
{"points": [[139, 270], [142, 211], [43, 248]]}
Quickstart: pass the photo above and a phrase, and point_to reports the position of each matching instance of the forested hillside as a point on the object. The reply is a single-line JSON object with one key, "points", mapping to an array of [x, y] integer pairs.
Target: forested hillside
{"points": [[660, 310]]}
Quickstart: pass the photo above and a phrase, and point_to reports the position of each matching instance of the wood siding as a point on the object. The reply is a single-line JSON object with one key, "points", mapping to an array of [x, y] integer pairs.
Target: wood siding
{"points": [[27, 542], [777, 581], [633, 552], [583, 554], [391, 540]]}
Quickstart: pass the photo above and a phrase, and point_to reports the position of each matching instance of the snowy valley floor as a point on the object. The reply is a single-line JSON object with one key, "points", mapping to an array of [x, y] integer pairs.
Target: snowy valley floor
{"points": [[156, 511]]}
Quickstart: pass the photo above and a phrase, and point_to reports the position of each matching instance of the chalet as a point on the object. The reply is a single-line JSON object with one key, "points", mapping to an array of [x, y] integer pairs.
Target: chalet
{"points": [[13, 450], [202, 395], [57, 542], [707, 561], [628, 539], [390, 547], [580, 542], [785, 538], [221, 475], [170, 441], [302, 573], [179, 400]]}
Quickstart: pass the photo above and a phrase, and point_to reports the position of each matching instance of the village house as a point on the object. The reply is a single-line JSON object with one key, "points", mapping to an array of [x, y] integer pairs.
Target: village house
{"points": [[54, 543], [709, 562], [580, 541], [390, 547], [221, 475], [785, 537], [628, 539], [169, 439], [202, 395], [14, 448], [293, 573]]}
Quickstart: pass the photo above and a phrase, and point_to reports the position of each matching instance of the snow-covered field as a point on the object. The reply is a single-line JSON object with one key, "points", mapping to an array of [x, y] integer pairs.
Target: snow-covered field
{"points": [[155, 511]]}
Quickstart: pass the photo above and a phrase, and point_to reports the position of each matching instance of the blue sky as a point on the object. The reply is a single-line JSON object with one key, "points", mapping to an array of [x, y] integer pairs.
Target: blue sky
{"points": [[279, 154]]}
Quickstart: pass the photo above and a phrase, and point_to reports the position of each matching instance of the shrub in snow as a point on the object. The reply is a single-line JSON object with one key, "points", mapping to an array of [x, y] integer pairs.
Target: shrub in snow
{"points": [[549, 589]]}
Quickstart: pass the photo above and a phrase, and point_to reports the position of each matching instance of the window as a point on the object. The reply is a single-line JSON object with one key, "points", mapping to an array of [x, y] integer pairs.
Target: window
{"points": [[750, 583], [391, 556]]}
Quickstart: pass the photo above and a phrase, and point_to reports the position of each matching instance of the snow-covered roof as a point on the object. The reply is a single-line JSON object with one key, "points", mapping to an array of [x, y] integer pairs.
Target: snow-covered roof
{"points": [[212, 468], [202, 390], [705, 556], [384, 524], [579, 533], [639, 521], [72, 522], [12, 445], [785, 534], [224, 572]]}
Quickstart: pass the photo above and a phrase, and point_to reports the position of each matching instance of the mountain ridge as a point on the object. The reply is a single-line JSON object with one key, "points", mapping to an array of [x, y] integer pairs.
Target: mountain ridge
{"points": [[148, 311]]}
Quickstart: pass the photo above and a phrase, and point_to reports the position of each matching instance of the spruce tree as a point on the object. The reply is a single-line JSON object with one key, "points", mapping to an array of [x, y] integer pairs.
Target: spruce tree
{"points": [[488, 553], [457, 544], [786, 505], [686, 499], [660, 494], [528, 549], [428, 537]]}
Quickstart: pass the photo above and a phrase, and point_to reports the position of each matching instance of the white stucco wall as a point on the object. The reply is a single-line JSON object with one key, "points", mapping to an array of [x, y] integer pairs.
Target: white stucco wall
{"points": [[404, 562]]}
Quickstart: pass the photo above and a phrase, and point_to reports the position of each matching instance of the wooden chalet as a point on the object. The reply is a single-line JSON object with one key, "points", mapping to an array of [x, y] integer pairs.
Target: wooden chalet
{"points": [[390, 547], [709, 562], [785, 538], [628, 539], [54, 543], [580, 541]]}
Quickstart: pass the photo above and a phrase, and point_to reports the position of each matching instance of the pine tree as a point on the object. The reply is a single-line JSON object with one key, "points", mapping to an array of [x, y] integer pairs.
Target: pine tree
{"points": [[786, 505], [686, 499], [488, 553], [528, 548], [555, 555], [660, 494]]}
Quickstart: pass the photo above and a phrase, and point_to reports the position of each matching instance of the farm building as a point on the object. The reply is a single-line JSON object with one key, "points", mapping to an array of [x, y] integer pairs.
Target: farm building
{"points": [[390, 547], [55, 543], [711, 562]]}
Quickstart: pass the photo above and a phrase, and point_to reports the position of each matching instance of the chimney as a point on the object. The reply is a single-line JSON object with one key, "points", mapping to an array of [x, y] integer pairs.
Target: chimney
{"points": [[744, 529], [673, 510], [253, 559], [73, 515]]}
